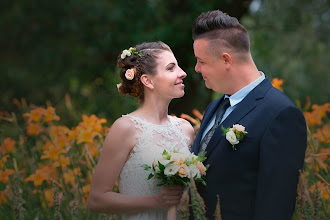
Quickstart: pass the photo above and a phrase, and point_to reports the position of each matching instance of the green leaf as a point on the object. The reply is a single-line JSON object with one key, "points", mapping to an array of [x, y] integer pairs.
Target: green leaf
{"points": [[150, 176], [161, 166], [169, 163], [146, 167]]}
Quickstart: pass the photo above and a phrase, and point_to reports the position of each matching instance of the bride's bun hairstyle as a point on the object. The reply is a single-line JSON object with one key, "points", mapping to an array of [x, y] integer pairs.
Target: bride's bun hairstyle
{"points": [[136, 61]]}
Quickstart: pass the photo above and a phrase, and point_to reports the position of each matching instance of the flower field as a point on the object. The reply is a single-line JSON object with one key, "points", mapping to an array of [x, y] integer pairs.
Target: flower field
{"points": [[46, 167]]}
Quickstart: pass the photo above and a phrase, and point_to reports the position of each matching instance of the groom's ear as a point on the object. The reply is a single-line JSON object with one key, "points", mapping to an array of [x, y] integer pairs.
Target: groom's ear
{"points": [[146, 81], [227, 59]]}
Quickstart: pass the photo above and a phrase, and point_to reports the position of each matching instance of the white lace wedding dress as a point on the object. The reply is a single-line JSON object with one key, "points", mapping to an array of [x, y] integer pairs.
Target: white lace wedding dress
{"points": [[152, 140]]}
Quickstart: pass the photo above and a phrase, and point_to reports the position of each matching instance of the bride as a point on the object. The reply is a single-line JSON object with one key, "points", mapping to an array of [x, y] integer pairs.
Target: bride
{"points": [[151, 73]]}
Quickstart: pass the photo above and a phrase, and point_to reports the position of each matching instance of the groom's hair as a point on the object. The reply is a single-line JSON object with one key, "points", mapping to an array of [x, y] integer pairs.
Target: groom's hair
{"points": [[223, 30]]}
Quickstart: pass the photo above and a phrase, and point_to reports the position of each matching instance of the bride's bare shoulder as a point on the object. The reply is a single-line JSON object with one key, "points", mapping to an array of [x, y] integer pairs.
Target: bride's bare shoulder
{"points": [[121, 135], [123, 125]]}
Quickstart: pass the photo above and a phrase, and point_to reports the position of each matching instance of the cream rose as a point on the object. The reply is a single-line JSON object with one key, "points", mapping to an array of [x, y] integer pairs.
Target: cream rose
{"points": [[183, 170], [177, 158], [231, 137], [240, 129], [201, 167], [129, 74]]}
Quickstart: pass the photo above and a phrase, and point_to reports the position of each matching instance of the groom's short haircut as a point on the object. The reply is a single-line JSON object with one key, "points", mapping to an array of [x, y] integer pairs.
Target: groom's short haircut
{"points": [[222, 29]]}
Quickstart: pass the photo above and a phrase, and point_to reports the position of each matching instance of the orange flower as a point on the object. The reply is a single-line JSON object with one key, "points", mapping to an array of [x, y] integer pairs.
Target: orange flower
{"points": [[69, 176], [277, 83], [85, 135], [59, 135], [4, 175], [315, 117], [52, 152], [34, 129], [41, 174], [323, 134], [92, 150], [323, 189], [3, 196], [8, 145], [92, 122], [197, 114], [322, 109], [3, 160], [35, 114], [49, 196], [63, 161], [49, 115], [189, 118], [86, 189]]}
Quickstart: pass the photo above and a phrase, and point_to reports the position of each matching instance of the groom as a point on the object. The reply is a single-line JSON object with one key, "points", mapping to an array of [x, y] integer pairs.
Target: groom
{"points": [[256, 178]]}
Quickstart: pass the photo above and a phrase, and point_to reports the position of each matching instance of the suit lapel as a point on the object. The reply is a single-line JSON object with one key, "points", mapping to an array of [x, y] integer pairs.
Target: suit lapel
{"points": [[241, 110]]}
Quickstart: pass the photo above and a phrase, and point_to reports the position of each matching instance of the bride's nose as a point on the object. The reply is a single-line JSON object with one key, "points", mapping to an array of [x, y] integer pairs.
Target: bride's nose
{"points": [[182, 74]]}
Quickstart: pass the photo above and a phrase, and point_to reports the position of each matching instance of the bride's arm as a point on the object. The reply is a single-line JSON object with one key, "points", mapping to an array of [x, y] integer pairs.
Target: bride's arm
{"points": [[115, 151], [188, 131]]}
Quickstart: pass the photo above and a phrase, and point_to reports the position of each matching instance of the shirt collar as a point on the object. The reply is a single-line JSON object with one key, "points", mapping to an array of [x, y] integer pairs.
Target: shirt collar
{"points": [[240, 95]]}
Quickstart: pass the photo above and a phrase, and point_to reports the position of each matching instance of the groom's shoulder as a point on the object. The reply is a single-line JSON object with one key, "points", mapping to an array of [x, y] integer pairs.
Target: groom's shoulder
{"points": [[276, 99], [276, 96]]}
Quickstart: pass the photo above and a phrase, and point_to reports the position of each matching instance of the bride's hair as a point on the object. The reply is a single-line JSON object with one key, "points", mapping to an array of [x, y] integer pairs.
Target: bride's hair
{"points": [[143, 61]]}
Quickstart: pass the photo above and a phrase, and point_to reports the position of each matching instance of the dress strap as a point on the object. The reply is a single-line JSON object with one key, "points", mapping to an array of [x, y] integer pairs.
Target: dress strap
{"points": [[138, 122]]}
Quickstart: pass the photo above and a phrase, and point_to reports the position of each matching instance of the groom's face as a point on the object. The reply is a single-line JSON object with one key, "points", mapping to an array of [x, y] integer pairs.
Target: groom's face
{"points": [[210, 66]]}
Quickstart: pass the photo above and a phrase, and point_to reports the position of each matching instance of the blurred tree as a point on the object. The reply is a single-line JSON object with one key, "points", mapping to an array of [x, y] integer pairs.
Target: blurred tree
{"points": [[53, 48], [290, 40]]}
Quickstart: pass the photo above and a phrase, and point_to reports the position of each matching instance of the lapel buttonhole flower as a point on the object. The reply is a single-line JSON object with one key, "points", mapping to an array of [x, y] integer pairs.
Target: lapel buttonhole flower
{"points": [[234, 135]]}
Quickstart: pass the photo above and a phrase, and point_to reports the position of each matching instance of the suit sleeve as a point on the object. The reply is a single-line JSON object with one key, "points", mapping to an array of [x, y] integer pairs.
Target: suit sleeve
{"points": [[282, 153]]}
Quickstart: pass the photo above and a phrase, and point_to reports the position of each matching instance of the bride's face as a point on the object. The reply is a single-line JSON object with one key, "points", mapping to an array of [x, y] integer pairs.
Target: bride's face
{"points": [[168, 82]]}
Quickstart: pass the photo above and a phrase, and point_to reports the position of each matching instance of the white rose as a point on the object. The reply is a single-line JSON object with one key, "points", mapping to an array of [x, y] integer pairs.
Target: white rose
{"points": [[125, 53], [193, 171], [171, 170], [240, 129], [231, 137]]}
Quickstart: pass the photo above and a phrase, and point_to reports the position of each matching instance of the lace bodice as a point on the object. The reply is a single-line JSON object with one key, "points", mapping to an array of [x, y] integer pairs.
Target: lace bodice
{"points": [[152, 140]]}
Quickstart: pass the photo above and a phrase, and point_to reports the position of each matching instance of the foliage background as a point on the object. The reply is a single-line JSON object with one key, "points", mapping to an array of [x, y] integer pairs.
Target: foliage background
{"points": [[50, 49], [62, 54]]}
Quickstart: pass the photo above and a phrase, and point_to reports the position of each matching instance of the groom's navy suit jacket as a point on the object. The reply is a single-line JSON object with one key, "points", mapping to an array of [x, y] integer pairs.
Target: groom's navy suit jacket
{"points": [[259, 180]]}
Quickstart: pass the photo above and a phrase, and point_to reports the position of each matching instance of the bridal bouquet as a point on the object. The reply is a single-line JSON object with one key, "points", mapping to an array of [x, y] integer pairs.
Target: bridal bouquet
{"points": [[177, 168]]}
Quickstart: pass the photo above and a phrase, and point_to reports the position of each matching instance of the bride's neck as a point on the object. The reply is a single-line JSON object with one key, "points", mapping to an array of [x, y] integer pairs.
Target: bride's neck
{"points": [[154, 110]]}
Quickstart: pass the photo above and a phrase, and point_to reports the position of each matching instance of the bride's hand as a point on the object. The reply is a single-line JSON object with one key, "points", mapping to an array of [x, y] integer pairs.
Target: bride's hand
{"points": [[169, 195]]}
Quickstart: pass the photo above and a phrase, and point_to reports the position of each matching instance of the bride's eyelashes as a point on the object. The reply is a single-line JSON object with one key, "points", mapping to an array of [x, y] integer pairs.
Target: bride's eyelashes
{"points": [[170, 67]]}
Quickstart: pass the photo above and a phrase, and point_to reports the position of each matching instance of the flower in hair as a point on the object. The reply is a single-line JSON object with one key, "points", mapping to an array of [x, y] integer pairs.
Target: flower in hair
{"points": [[118, 86], [130, 73], [125, 53], [129, 52]]}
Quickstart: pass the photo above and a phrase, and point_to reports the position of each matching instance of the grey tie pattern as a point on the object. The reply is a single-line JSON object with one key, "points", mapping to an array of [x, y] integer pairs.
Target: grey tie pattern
{"points": [[221, 110]]}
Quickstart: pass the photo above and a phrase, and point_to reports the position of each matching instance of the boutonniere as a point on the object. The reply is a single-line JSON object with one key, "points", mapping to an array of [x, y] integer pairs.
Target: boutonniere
{"points": [[234, 134]]}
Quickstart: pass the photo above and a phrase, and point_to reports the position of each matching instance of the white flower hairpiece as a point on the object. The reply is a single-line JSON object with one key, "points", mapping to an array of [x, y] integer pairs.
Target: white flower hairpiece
{"points": [[130, 73], [129, 52], [125, 53]]}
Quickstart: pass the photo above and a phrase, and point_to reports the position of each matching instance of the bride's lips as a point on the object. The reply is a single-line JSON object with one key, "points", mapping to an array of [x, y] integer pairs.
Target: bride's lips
{"points": [[180, 83]]}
